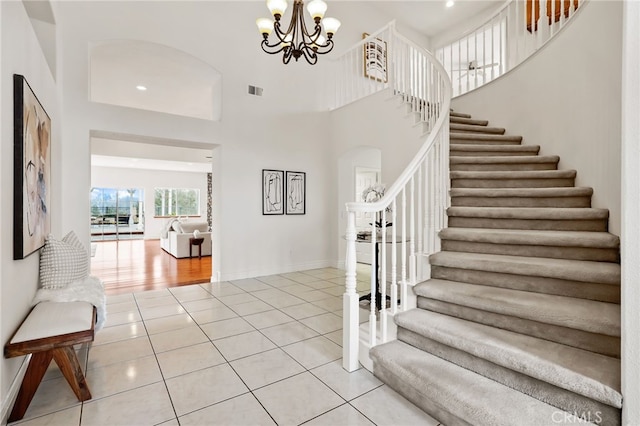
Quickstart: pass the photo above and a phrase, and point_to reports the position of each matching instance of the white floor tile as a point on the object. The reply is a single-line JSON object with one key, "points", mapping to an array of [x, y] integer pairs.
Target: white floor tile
{"points": [[119, 332], [124, 350], [242, 345], [52, 395], [250, 308], [154, 302], [175, 322], [146, 405], [202, 304], [123, 376], [225, 328], [175, 339], [125, 317], [291, 332], [297, 399], [325, 323], [161, 311], [265, 368], [188, 359], [268, 319], [344, 415], [241, 410], [236, 299], [347, 385], [385, 407], [213, 314], [303, 311], [314, 352], [202, 388], [251, 285]]}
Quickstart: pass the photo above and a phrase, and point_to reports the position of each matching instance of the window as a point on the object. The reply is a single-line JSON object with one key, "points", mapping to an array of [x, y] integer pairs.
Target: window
{"points": [[177, 202]]}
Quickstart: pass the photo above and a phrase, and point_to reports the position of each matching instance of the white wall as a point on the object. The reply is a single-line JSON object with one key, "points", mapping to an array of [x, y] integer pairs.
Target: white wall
{"points": [[566, 98], [630, 250], [148, 180], [21, 54], [379, 123]]}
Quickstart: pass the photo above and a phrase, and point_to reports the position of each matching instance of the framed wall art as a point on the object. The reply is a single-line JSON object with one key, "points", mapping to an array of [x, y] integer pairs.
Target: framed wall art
{"points": [[375, 59], [296, 193], [272, 192], [31, 172]]}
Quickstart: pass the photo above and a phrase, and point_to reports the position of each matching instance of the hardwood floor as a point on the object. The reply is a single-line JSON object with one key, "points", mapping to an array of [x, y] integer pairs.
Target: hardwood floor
{"points": [[137, 265]]}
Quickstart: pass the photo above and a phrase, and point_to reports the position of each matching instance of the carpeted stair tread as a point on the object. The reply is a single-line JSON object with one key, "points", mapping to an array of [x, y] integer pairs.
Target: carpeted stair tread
{"points": [[459, 114], [505, 159], [585, 373], [523, 236], [529, 213], [469, 149], [465, 120], [566, 269], [581, 314], [513, 174], [521, 192], [453, 394], [484, 138], [454, 127]]}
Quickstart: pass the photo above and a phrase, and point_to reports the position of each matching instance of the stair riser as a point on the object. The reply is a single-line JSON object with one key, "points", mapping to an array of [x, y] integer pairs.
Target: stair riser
{"points": [[543, 391], [457, 153], [536, 284], [512, 183], [569, 202], [594, 342], [554, 252], [498, 167], [455, 140], [529, 224]]}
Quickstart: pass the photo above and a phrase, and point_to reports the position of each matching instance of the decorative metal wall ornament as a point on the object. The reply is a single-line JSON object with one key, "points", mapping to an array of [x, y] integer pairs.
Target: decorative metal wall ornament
{"points": [[296, 41]]}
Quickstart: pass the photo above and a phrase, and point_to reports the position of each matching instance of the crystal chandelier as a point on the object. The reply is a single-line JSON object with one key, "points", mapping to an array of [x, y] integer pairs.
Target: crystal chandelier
{"points": [[296, 41]]}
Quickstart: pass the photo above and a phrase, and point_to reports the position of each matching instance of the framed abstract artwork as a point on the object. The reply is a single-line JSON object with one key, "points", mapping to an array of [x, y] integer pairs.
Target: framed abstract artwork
{"points": [[31, 170], [296, 192], [272, 192], [375, 59]]}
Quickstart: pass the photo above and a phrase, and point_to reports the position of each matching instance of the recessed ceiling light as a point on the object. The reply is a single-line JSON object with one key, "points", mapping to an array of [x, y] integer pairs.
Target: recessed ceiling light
{"points": [[141, 88], [450, 3]]}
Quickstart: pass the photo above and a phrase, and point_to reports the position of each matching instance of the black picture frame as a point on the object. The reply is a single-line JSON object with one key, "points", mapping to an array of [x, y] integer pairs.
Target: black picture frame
{"points": [[296, 192], [31, 170], [272, 192]]}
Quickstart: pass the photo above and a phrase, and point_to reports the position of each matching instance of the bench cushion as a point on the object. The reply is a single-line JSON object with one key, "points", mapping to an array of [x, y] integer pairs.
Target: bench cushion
{"points": [[55, 318]]}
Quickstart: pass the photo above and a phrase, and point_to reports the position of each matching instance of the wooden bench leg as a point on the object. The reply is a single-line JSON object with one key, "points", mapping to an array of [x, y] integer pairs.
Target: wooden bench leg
{"points": [[67, 360], [35, 372]]}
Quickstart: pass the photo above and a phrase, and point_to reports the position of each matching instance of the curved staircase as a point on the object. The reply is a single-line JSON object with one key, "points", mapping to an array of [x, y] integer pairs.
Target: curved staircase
{"points": [[520, 321]]}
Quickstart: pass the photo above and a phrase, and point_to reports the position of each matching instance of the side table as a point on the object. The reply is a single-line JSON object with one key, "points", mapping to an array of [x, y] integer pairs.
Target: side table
{"points": [[195, 242]]}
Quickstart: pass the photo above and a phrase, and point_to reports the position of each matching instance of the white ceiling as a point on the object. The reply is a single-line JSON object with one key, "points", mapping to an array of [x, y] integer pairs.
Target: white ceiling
{"points": [[181, 84]]}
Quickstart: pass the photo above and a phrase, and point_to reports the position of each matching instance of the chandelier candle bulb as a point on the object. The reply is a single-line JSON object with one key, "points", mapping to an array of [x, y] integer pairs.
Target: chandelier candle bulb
{"points": [[316, 9], [331, 26], [277, 7], [265, 26]]}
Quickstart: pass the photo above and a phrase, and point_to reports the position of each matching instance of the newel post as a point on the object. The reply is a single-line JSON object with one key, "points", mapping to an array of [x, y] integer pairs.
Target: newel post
{"points": [[350, 307]]}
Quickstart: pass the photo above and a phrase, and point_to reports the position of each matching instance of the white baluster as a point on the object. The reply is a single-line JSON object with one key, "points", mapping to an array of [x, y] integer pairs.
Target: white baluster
{"points": [[394, 259], [383, 276], [403, 283], [350, 305], [374, 275]]}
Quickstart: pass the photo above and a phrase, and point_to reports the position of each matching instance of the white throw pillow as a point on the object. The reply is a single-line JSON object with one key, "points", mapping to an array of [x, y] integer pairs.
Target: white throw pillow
{"points": [[63, 261]]}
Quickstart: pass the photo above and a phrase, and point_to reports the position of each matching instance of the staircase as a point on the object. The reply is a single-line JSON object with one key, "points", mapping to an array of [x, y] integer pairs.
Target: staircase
{"points": [[520, 321]]}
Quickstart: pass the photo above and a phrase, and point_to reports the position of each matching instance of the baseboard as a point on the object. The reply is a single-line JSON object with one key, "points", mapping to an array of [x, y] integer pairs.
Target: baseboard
{"points": [[12, 394], [252, 273]]}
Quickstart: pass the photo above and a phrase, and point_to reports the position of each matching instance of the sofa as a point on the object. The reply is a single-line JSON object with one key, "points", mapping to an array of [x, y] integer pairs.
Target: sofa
{"points": [[175, 238]]}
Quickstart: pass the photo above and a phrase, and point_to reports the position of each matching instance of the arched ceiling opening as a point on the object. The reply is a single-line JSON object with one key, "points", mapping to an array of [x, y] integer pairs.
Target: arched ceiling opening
{"points": [[154, 77]]}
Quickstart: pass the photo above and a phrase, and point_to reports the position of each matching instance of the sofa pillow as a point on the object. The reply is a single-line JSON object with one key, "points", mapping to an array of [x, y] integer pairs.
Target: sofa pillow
{"points": [[189, 227], [177, 226], [63, 261]]}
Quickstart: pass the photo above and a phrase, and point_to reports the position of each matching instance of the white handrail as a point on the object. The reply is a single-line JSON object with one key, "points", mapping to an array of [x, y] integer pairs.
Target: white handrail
{"points": [[415, 76], [515, 32]]}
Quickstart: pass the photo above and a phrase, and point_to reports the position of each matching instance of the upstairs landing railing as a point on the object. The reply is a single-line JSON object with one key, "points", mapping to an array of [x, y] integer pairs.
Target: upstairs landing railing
{"points": [[413, 209], [514, 33]]}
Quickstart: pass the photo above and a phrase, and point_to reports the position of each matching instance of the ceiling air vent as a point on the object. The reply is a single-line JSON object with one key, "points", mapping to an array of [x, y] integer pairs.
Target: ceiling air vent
{"points": [[255, 90]]}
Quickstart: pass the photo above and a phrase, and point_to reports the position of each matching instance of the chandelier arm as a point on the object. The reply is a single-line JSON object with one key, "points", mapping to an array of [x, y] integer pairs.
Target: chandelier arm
{"points": [[265, 45], [310, 55]]}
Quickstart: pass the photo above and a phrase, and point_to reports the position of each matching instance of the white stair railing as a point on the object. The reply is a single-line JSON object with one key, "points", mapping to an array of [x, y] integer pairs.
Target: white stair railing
{"points": [[514, 33], [413, 209]]}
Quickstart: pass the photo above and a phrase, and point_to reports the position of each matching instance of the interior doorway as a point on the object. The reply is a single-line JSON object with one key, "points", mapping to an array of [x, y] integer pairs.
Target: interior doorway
{"points": [[117, 214], [365, 177]]}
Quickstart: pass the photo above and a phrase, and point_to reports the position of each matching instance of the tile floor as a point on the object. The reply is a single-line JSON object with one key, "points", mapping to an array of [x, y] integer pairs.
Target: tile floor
{"points": [[259, 351]]}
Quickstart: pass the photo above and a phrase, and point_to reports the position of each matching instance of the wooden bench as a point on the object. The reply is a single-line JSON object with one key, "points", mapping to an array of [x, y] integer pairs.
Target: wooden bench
{"points": [[49, 332]]}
